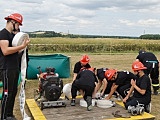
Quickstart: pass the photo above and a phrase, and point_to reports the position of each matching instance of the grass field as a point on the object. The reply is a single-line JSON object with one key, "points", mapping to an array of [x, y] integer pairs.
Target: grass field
{"points": [[60, 40], [91, 45], [119, 61]]}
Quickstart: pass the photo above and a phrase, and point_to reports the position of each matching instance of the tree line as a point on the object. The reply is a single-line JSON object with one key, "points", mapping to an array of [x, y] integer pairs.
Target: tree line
{"points": [[43, 34]]}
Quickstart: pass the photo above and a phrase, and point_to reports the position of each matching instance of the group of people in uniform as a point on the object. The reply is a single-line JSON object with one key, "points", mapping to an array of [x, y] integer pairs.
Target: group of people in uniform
{"points": [[133, 87]]}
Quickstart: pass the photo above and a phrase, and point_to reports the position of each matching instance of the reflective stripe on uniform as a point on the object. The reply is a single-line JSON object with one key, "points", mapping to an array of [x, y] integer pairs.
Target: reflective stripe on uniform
{"points": [[155, 85], [151, 61]]}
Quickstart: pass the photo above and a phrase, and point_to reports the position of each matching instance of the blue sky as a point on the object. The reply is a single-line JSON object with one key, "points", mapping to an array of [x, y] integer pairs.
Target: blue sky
{"points": [[92, 17]]}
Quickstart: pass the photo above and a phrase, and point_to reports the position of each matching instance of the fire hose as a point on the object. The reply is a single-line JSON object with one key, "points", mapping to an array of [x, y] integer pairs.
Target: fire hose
{"points": [[18, 40]]}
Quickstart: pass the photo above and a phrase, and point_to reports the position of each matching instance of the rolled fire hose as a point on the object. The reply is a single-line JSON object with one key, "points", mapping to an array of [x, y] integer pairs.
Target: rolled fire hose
{"points": [[83, 103], [18, 40], [67, 90], [105, 103]]}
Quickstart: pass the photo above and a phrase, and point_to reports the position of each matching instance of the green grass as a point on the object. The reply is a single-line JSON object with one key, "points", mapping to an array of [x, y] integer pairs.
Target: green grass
{"points": [[122, 61], [90, 41], [110, 59], [94, 45]]}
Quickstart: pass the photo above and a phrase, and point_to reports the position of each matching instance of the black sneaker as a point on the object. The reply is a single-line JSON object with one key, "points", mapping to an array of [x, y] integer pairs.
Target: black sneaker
{"points": [[89, 103], [73, 102], [148, 108], [11, 118]]}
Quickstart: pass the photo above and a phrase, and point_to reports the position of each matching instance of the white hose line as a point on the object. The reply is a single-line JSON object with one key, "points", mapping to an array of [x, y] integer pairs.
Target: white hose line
{"points": [[18, 40], [83, 103], [67, 90], [104, 103]]}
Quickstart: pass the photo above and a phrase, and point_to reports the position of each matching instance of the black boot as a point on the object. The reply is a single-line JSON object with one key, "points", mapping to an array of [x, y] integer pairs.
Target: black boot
{"points": [[89, 103], [155, 90], [73, 102]]}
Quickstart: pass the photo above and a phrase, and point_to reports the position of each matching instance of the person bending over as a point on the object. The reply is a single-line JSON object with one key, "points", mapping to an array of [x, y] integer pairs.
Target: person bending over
{"points": [[86, 80]]}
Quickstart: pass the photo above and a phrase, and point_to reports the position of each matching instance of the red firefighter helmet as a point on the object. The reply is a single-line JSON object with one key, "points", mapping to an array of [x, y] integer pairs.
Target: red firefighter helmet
{"points": [[85, 59], [138, 66], [92, 69], [109, 73], [15, 16]]}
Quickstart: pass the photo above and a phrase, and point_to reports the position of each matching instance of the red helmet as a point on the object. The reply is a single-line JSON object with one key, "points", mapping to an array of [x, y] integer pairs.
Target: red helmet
{"points": [[85, 59], [138, 66], [15, 16], [109, 73], [91, 69]]}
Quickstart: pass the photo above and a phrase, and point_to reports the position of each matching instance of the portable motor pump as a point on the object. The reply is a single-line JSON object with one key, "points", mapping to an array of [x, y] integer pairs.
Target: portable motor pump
{"points": [[50, 85]]}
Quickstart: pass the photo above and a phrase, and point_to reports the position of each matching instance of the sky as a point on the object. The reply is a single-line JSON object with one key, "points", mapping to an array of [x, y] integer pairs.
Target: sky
{"points": [[86, 17]]}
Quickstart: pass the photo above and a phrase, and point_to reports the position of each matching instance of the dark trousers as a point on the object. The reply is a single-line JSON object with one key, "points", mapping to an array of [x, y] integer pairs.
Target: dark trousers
{"points": [[122, 90], [86, 89], [10, 84], [134, 101], [153, 71]]}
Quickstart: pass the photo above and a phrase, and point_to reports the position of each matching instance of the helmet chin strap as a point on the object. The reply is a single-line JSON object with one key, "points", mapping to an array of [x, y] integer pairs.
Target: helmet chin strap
{"points": [[138, 74], [14, 28]]}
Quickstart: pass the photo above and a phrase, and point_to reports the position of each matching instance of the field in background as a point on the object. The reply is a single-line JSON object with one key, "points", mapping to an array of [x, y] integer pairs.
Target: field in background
{"points": [[60, 40], [120, 60], [93, 45]]}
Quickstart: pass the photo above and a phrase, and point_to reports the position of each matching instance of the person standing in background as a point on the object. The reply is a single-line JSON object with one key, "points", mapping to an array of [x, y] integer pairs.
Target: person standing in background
{"points": [[149, 60], [9, 64]]}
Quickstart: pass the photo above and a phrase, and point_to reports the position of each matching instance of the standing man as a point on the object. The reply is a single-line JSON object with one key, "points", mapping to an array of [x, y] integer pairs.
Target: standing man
{"points": [[121, 80], [149, 60], [9, 64]]}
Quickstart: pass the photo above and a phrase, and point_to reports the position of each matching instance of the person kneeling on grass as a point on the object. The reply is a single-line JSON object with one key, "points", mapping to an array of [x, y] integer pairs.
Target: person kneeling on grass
{"points": [[86, 80], [121, 82], [141, 87]]}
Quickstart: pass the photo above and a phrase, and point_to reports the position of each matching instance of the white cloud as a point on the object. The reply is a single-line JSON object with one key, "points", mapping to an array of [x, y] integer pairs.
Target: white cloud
{"points": [[150, 22], [106, 17], [127, 22]]}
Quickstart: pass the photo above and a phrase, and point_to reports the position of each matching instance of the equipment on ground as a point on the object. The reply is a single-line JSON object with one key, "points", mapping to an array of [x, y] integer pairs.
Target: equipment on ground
{"points": [[119, 114], [83, 103], [67, 91], [50, 89], [136, 110], [105, 103]]}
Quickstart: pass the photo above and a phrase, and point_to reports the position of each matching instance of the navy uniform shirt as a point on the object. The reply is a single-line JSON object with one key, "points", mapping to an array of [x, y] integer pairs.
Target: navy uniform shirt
{"points": [[86, 77], [101, 73], [9, 61], [124, 77], [78, 66], [145, 84], [144, 58]]}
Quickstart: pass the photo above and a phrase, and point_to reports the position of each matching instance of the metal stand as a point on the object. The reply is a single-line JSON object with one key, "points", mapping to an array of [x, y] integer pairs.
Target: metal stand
{"points": [[47, 104]]}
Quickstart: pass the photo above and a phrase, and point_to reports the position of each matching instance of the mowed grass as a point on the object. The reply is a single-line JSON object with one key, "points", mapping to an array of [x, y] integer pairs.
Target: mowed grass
{"points": [[119, 61]]}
